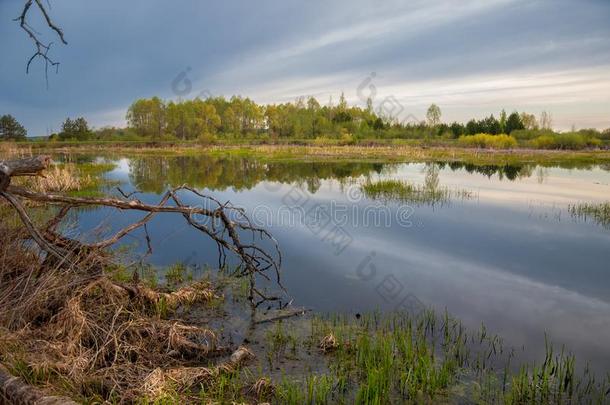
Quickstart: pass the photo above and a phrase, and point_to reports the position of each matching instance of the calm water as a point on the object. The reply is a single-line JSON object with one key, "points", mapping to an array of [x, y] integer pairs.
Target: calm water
{"points": [[500, 247]]}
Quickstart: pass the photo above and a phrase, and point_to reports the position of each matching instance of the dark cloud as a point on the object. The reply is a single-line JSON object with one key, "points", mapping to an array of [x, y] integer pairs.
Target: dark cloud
{"points": [[119, 51]]}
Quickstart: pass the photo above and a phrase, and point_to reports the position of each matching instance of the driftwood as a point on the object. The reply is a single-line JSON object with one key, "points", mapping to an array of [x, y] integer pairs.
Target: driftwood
{"points": [[222, 222], [13, 390]]}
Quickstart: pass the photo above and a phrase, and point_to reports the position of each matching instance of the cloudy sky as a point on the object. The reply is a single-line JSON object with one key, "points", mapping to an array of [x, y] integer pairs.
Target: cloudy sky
{"points": [[471, 57]]}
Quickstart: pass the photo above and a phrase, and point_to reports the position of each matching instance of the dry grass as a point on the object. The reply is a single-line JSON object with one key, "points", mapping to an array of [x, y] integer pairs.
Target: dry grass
{"points": [[58, 178], [91, 338], [10, 150], [328, 343]]}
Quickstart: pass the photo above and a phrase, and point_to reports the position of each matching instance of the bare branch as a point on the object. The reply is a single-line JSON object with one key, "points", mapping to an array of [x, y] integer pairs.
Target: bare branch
{"points": [[42, 49]]}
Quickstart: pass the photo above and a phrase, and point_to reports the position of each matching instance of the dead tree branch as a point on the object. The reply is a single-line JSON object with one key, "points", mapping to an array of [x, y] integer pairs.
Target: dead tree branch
{"points": [[42, 49]]}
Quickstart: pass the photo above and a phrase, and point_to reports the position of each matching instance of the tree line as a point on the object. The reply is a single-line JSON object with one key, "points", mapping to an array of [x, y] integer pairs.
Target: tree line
{"points": [[305, 118]]}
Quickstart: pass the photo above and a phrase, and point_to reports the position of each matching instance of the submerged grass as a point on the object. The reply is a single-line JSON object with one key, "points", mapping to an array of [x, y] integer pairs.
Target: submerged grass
{"points": [[599, 213], [399, 190]]}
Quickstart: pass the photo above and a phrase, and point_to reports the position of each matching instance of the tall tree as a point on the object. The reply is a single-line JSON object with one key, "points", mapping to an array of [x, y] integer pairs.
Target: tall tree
{"points": [[433, 115], [514, 122], [147, 116], [313, 107], [529, 121], [546, 120], [472, 127], [503, 121], [11, 129], [491, 125]]}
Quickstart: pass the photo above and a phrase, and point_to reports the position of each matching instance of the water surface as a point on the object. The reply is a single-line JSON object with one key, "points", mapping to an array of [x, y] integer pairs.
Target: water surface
{"points": [[501, 248]]}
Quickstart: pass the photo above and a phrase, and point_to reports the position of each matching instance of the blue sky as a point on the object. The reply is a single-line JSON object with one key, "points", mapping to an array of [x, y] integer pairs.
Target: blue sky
{"points": [[471, 57]]}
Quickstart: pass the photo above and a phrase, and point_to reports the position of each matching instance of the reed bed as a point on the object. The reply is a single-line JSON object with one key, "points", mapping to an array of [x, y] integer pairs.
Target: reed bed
{"points": [[405, 192], [598, 213], [73, 179]]}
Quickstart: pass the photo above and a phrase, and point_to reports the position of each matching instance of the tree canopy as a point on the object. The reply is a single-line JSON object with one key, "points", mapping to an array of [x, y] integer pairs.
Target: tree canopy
{"points": [[11, 129]]}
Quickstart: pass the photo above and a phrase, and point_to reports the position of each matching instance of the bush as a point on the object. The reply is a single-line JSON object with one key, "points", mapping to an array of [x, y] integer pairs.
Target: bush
{"points": [[571, 141], [346, 139], [528, 134], [325, 141], [206, 139], [544, 142], [487, 141]]}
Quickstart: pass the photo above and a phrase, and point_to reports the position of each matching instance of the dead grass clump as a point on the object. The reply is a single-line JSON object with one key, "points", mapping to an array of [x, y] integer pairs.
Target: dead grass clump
{"points": [[262, 388], [10, 149], [58, 178], [159, 382], [328, 343], [90, 337]]}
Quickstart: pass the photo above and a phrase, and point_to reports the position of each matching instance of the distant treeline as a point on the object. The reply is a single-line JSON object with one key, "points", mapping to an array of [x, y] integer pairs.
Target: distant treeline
{"points": [[217, 118]]}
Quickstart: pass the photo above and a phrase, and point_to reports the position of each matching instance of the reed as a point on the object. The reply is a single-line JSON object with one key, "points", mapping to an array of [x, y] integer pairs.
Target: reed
{"points": [[598, 213]]}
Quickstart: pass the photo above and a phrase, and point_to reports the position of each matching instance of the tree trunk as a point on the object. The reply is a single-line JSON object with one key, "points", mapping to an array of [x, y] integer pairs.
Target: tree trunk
{"points": [[22, 167]]}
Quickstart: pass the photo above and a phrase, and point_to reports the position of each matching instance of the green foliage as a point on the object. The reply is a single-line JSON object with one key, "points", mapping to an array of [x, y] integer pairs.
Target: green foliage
{"points": [[570, 140], [177, 274], [433, 115], [488, 141], [528, 134], [598, 213], [217, 120], [529, 121], [147, 116], [11, 129], [77, 129], [514, 123]]}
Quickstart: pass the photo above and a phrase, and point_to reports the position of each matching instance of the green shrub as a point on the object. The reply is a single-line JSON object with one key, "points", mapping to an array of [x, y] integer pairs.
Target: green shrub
{"points": [[325, 141], [570, 140], [488, 141], [346, 138], [544, 142], [528, 134], [206, 139]]}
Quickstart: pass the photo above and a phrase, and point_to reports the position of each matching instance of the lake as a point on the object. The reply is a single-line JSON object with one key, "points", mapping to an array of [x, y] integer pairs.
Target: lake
{"points": [[491, 244]]}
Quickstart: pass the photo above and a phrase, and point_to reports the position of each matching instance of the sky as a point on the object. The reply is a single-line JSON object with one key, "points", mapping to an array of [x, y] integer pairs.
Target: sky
{"points": [[471, 57]]}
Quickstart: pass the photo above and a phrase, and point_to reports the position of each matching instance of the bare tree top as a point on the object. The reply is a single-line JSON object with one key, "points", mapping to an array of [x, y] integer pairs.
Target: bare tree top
{"points": [[41, 48]]}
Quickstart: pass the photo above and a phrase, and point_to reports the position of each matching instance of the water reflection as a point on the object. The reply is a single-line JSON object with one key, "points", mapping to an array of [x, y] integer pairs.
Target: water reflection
{"points": [[513, 257], [156, 173]]}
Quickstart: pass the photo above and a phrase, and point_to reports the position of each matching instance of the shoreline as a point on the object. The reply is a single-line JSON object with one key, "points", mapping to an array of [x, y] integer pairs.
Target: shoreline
{"points": [[397, 153]]}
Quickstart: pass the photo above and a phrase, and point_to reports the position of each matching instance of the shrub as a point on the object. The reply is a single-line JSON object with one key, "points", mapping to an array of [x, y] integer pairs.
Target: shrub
{"points": [[487, 141], [528, 134], [544, 142], [346, 139], [570, 140], [206, 139], [325, 141]]}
